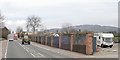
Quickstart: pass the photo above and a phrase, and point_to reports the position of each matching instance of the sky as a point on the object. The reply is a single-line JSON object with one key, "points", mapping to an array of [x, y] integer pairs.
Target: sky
{"points": [[54, 13]]}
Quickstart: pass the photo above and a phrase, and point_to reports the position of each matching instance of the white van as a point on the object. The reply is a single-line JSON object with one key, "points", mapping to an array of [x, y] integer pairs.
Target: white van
{"points": [[104, 39], [10, 37]]}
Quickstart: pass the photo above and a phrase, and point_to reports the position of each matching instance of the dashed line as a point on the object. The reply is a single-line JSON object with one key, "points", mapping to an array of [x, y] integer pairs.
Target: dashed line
{"points": [[27, 50], [48, 49], [41, 54], [32, 55], [58, 52], [31, 51]]}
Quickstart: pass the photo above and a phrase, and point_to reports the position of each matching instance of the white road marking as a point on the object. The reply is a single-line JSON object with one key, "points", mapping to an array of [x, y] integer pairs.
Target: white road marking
{"points": [[31, 51], [6, 49], [41, 54], [47, 49], [114, 50], [26, 47], [58, 52], [27, 50], [32, 55]]}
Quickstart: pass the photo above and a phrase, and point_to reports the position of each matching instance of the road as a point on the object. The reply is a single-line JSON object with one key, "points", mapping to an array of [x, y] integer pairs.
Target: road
{"points": [[17, 50]]}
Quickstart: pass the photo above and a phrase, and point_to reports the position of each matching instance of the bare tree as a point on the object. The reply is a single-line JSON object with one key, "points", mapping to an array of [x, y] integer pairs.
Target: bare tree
{"points": [[33, 22], [67, 27], [1, 17], [27, 26], [2, 20], [19, 29]]}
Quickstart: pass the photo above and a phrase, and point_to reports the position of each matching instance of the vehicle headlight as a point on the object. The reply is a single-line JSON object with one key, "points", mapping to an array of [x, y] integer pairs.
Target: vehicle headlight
{"points": [[104, 42]]}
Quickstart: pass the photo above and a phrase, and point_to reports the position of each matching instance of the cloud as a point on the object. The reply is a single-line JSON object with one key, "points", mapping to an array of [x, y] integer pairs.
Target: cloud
{"points": [[56, 12], [12, 25]]}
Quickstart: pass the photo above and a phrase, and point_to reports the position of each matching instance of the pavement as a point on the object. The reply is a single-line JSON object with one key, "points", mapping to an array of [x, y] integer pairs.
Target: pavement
{"points": [[0, 49], [3, 46], [108, 52]]}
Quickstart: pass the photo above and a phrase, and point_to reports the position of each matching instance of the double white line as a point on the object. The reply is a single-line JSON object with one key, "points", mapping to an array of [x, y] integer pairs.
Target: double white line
{"points": [[27, 49]]}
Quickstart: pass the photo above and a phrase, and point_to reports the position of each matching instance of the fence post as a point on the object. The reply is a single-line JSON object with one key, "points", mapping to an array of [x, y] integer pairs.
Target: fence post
{"points": [[41, 39], [36, 39], [51, 40], [60, 38], [71, 41], [46, 40], [89, 46]]}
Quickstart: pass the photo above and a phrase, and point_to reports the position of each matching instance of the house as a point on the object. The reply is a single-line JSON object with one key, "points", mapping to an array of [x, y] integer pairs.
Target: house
{"points": [[4, 31]]}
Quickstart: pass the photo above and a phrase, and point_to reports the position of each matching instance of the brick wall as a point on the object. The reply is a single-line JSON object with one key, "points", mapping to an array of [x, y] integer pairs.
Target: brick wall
{"points": [[84, 45]]}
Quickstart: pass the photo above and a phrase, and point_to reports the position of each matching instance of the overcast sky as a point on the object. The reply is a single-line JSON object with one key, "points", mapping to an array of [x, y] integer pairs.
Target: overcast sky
{"points": [[54, 13]]}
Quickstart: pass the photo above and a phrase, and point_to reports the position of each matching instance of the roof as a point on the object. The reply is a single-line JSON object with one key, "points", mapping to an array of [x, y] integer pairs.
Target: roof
{"points": [[4, 28], [104, 34], [107, 35]]}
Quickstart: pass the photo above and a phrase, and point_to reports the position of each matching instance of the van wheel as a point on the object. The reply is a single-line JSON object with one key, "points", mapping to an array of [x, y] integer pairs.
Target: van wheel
{"points": [[22, 42], [111, 46], [102, 46], [29, 43]]}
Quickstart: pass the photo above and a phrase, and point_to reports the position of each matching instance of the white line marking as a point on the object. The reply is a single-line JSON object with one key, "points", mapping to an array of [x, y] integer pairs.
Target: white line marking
{"points": [[41, 54], [27, 50], [32, 55], [6, 49], [47, 49], [58, 52]]}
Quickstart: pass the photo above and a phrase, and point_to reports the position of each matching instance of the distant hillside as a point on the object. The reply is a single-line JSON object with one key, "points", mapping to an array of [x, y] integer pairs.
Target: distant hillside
{"points": [[94, 28]]}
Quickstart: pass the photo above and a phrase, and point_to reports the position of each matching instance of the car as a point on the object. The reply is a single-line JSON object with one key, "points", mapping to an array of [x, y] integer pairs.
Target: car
{"points": [[26, 40], [10, 39]]}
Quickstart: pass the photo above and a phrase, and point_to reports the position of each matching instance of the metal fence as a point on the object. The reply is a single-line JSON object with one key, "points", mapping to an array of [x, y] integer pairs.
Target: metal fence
{"points": [[65, 42], [56, 42]]}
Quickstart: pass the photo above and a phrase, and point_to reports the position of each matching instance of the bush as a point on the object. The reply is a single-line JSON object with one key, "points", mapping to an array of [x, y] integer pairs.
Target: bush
{"points": [[116, 39]]}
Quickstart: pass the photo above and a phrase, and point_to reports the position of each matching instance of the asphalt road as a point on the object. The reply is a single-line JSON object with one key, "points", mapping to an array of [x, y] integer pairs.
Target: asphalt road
{"points": [[17, 50]]}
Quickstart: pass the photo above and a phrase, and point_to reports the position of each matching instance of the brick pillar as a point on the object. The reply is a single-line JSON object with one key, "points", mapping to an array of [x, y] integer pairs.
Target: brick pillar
{"points": [[36, 38], [46, 40], [41, 39], [51, 40], [89, 46], [71, 41], [60, 38]]}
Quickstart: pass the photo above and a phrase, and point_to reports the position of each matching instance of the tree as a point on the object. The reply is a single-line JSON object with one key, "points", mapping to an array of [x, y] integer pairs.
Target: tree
{"points": [[2, 21], [27, 26], [68, 28], [19, 29], [33, 22]]}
